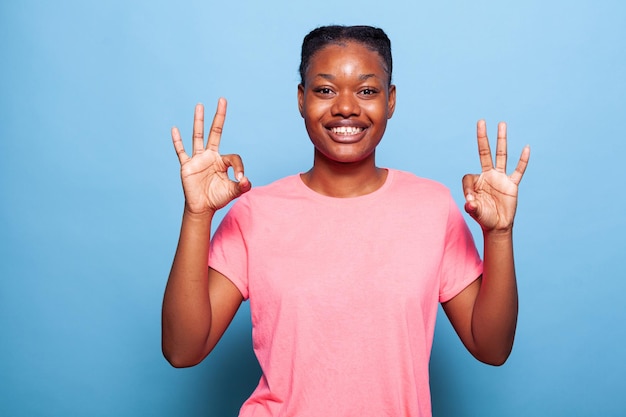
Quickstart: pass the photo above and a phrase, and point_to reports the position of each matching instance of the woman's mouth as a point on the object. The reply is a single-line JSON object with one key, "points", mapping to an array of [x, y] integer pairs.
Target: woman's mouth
{"points": [[347, 134], [346, 130]]}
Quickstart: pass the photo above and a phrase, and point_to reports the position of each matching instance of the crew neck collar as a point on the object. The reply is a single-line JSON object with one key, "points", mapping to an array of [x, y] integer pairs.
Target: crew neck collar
{"points": [[374, 194]]}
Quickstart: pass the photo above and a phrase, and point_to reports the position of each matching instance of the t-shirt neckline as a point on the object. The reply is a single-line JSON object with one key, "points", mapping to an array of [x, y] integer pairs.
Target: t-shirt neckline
{"points": [[370, 196]]}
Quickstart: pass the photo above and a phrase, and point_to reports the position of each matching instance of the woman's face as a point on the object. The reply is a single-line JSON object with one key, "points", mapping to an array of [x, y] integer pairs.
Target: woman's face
{"points": [[346, 101]]}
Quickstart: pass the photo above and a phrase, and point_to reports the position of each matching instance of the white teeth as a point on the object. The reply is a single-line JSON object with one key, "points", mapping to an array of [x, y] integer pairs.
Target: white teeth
{"points": [[346, 130]]}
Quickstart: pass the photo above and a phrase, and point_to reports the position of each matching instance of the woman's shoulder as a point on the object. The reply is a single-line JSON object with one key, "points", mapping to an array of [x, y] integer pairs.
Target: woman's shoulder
{"points": [[271, 193], [280, 186], [409, 181]]}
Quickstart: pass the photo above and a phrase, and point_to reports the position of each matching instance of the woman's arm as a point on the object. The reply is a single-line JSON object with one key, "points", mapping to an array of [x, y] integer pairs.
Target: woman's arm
{"points": [[484, 314], [199, 303]]}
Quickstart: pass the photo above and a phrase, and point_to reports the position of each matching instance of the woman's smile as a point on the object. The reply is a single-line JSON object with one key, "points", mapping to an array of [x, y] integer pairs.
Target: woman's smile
{"points": [[347, 134]]}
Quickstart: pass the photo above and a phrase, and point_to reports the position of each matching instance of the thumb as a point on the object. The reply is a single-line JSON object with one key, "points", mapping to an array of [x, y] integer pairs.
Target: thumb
{"points": [[243, 184], [471, 205]]}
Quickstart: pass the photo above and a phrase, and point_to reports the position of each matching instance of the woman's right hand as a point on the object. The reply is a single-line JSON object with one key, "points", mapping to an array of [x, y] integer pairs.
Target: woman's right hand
{"points": [[204, 175]]}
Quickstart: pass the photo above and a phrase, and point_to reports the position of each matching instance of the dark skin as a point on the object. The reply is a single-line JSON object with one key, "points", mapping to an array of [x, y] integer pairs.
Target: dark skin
{"points": [[199, 303], [484, 315], [345, 101]]}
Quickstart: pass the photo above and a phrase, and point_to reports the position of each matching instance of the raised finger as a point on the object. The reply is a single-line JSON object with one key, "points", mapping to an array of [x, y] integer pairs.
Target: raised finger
{"points": [[501, 148], [178, 145], [198, 129], [215, 135], [517, 175], [484, 151]]}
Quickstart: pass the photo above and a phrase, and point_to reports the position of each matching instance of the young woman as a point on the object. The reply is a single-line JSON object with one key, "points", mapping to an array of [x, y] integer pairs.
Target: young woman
{"points": [[344, 264]]}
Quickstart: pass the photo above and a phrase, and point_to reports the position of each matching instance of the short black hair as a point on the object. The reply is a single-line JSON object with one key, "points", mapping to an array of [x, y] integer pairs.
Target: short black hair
{"points": [[371, 37]]}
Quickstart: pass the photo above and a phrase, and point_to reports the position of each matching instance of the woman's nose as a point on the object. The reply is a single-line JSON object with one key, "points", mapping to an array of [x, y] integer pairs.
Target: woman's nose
{"points": [[346, 105]]}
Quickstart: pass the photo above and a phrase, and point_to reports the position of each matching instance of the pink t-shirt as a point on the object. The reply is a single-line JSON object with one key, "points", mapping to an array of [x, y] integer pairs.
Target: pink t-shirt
{"points": [[344, 292]]}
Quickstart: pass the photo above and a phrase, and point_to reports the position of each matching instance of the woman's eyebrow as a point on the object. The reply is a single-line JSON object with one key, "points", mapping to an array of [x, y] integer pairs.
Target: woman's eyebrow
{"points": [[362, 77], [326, 76]]}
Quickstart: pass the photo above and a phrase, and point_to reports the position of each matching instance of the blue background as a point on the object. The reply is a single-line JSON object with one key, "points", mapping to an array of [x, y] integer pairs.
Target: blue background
{"points": [[91, 199]]}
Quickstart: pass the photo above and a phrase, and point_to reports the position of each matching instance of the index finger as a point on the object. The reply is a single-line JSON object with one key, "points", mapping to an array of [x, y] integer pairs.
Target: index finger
{"points": [[215, 135], [484, 151]]}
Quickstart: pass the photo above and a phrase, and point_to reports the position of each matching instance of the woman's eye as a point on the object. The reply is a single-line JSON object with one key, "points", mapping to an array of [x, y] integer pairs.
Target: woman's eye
{"points": [[323, 90], [368, 91]]}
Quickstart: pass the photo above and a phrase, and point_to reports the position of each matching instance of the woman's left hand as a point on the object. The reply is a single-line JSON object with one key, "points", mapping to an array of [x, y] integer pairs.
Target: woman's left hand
{"points": [[491, 197]]}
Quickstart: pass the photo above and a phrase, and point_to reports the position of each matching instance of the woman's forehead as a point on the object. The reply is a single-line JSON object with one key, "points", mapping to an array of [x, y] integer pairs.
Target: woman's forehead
{"points": [[344, 56]]}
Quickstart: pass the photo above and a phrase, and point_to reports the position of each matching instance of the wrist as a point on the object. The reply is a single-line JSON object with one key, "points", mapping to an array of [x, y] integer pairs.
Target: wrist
{"points": [[498, 234], [205, 215]]}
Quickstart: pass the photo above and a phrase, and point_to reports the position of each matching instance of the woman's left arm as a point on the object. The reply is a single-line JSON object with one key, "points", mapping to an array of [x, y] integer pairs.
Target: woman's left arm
{"points": [[484, 314]]}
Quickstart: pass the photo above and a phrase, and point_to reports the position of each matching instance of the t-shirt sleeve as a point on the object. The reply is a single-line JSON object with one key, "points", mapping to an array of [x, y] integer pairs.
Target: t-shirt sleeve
{"points": [[461, 262], [228, 253]]}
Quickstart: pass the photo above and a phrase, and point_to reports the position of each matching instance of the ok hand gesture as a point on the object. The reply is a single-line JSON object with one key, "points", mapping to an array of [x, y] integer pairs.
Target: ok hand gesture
{"points": [[491, 197], [204, 175]]}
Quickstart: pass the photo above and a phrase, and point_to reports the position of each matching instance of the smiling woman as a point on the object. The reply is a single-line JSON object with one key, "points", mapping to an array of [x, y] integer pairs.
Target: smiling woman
{"points": [[344, 265], [345, 100]]}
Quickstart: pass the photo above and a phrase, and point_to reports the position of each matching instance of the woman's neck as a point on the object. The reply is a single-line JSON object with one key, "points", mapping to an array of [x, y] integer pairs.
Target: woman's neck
{"points": [[344, 180]]}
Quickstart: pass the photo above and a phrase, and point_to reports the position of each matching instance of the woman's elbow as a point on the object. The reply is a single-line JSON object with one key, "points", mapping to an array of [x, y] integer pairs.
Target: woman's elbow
{"points": [[498, 358], [179, 359]]}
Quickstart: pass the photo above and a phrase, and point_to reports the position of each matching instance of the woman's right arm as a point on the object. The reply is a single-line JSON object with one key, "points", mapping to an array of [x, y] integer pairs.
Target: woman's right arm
{"points": [[199, 302]]}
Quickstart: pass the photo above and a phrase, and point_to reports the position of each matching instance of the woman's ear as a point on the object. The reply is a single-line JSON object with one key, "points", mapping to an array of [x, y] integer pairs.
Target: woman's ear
{"points": [[391, 101], [301, 99]]}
